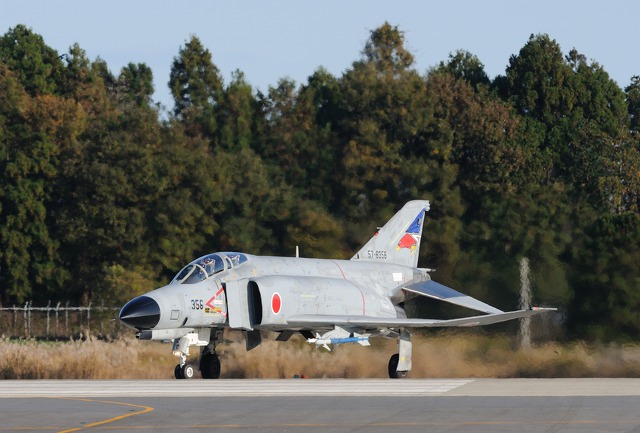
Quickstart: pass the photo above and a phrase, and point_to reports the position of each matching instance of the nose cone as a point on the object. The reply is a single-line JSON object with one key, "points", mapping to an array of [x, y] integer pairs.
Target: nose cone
{"points": [[140, 313]]}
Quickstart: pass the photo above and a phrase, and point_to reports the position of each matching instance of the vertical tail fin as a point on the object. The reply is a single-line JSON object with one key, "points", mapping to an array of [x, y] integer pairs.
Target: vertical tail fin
{"points": [[399, 240]]}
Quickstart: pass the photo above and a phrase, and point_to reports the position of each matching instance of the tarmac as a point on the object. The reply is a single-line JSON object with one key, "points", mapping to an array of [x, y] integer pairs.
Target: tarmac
{"points": [[322, 405]]}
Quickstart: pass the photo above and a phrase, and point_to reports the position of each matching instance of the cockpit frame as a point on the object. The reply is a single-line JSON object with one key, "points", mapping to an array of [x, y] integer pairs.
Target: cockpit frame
{"points": [[207, 266]]}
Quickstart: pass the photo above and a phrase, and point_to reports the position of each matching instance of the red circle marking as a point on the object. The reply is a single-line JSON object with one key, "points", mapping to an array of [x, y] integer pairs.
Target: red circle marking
{"points": [[276, 303]]}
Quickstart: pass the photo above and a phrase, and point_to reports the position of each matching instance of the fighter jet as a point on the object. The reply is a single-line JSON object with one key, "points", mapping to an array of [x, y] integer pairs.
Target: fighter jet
{"points": [[329, 302]]}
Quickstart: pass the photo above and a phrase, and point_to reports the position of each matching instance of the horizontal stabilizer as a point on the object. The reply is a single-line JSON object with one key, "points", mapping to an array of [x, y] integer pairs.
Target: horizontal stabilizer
{"points": [[443, 293], [368, 322]]}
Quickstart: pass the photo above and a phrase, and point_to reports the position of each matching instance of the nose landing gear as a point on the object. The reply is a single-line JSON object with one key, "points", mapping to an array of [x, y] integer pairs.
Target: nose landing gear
{"points": [[209, 364], [184, 371]]}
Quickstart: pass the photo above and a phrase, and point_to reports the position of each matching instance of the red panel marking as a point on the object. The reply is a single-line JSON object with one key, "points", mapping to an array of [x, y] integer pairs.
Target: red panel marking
{"points": [[407, 241], [209, 303], [359, 290], [276, 303], [341, 271]]}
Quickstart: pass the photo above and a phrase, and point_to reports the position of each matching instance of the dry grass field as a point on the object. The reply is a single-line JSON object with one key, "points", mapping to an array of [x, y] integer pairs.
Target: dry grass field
{"points": [[447, 355]]}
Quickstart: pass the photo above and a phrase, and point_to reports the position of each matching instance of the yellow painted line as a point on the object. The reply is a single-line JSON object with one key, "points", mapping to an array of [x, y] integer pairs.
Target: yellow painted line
{"points": [[145, 409]]}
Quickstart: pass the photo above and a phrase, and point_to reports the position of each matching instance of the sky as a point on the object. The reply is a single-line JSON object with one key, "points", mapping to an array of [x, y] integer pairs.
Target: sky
{"points": [[272, 39]]}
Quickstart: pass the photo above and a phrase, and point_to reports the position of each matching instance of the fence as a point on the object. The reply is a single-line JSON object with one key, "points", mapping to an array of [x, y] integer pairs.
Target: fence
{"points": [[59, 321]]}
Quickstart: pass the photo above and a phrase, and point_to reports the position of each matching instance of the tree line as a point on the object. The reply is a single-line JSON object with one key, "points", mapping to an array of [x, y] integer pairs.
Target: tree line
{"points": [[103, 197]]}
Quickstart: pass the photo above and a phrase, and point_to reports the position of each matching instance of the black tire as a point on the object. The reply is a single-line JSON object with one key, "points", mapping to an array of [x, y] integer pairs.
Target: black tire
{"points": [[393, 365], [177, 372], [210, 366], [188, 371]]}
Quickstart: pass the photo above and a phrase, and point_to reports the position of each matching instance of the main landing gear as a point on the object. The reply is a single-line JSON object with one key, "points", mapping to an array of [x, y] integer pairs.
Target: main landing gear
{"points": [[400, 363], [209, 364], [394, 373]]}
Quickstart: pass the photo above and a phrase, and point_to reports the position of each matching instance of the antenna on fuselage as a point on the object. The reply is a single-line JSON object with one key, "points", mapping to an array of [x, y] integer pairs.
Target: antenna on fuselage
{"points": [[297, 252]]}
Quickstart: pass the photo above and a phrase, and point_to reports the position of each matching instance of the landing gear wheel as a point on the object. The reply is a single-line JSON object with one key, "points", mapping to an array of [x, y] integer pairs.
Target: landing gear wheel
{"points": [[177, 372], [210, 366], [393, 365], [187, 371]]}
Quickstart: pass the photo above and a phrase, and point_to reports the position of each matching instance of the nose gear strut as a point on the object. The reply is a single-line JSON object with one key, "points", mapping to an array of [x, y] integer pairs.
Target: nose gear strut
{"points": [[209, 363]]}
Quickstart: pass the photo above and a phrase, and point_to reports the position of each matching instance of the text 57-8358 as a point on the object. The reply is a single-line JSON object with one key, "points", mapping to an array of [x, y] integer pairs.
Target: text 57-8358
{"points": [[377, 254]]}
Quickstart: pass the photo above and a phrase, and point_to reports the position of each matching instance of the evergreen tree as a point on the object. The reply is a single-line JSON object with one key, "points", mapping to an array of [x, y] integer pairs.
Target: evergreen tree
{"points": [[37, 66], [34, 130], [465, 66], [633, 102], [536, 81], [382, 100], [237, 112], [99, 198], [385, 50], [294, 145], [197, 88], [607, 299], [136, 84]]}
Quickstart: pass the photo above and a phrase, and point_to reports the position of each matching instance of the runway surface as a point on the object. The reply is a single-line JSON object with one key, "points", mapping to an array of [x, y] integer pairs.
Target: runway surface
{"points": [[323, 405]]}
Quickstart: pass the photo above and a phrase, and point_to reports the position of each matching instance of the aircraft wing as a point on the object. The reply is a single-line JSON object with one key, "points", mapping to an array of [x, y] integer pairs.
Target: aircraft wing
{"points": [[368, 322], [435, 290]]}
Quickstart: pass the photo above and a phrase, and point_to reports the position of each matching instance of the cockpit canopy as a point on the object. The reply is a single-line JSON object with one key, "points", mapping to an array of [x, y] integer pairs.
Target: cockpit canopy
{"points": [[207, 266]]}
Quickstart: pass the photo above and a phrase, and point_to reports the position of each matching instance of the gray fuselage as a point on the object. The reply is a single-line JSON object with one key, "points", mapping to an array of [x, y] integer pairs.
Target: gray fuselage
{"points": [[282, 287]]}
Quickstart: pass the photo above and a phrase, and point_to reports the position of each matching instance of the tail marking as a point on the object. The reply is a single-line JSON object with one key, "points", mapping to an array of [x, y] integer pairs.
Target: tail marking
{"points": [[411, 237]]}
